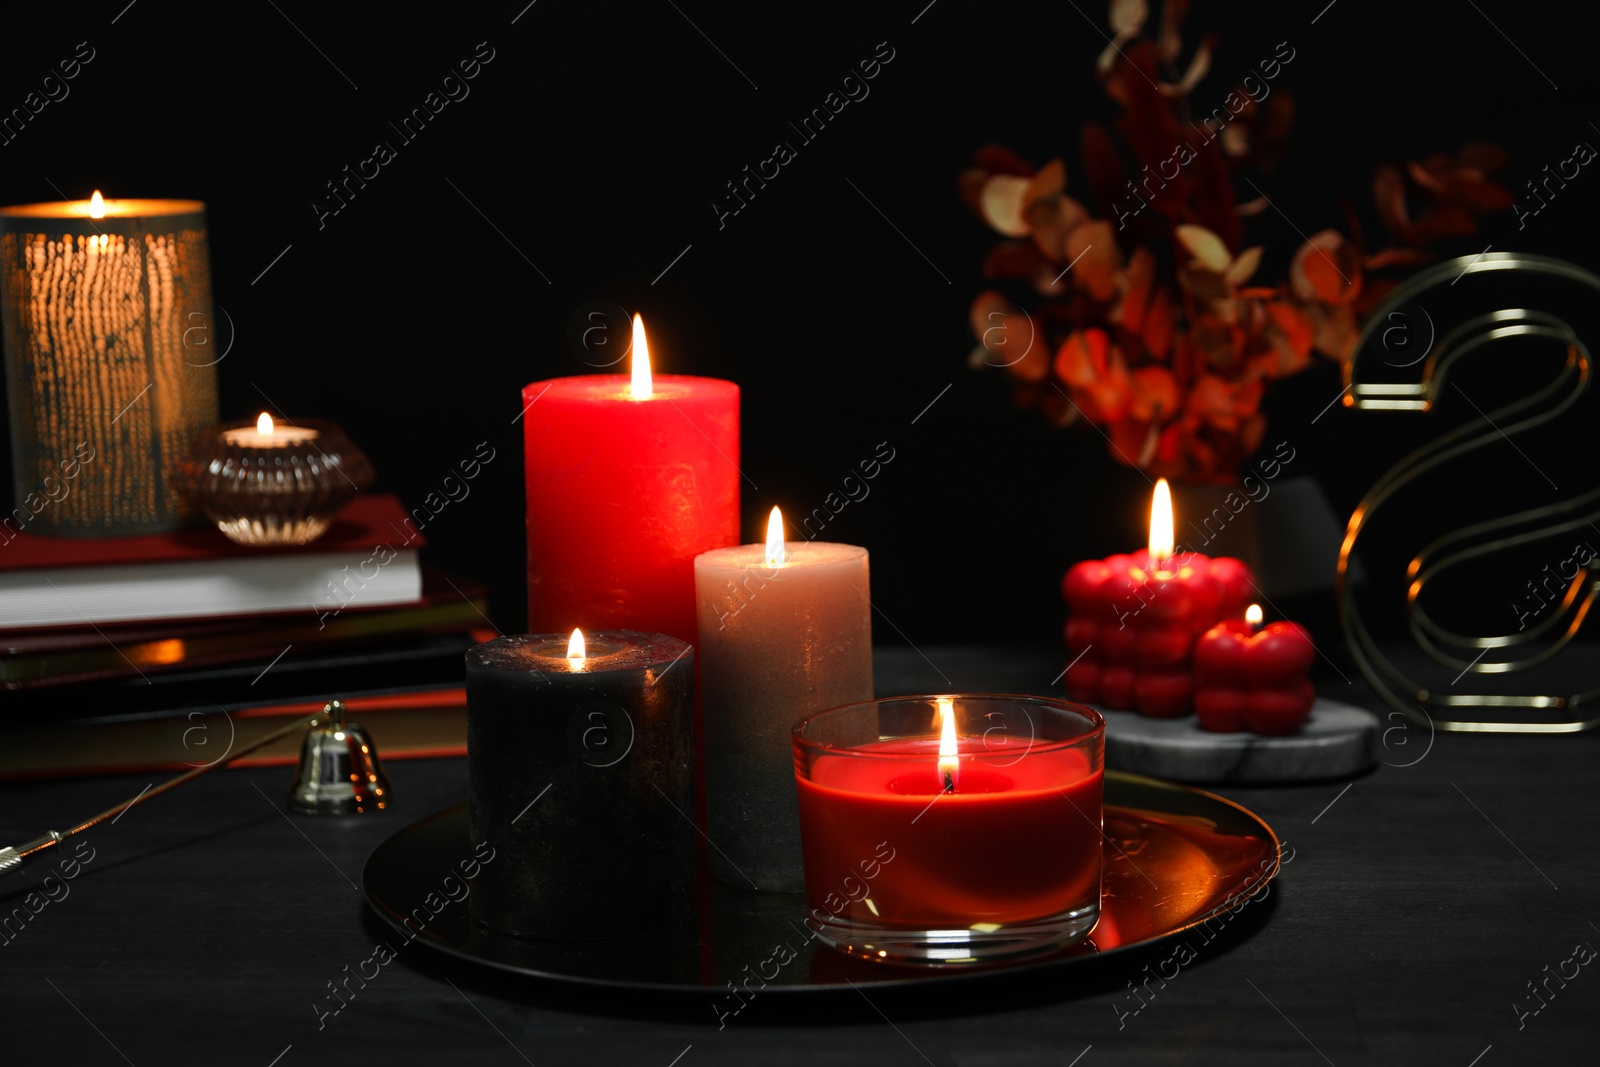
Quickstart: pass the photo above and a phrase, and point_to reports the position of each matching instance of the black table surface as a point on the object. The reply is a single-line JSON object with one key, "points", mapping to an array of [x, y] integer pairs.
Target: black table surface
{"points": [[1437, 910]]}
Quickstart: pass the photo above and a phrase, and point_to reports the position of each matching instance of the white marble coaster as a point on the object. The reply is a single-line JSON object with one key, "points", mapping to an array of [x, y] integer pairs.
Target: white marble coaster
{"points": [[1336, 742]]}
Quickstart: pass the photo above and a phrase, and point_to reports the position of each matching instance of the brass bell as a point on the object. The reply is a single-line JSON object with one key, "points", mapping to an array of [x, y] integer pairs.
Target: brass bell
{"points": [[340, 773]]}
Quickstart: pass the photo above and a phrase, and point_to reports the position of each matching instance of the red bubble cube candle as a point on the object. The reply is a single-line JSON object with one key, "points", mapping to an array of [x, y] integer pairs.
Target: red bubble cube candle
{"points": [[1133, 619], [1133, 622], [1247, 679]]}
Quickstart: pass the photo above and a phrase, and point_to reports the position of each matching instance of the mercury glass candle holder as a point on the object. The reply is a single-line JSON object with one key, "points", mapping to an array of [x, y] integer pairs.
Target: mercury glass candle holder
{"points": [[265, 484], [107, 316]]}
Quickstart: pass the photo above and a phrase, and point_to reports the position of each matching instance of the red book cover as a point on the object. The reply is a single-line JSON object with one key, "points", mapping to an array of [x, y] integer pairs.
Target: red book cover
{"points": [[369, 520], [368, 556], [438, 590]]}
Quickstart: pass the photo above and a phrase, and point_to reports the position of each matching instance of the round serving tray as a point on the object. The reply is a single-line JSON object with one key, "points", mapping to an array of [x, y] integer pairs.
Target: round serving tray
{"points": [[1175, 857]]}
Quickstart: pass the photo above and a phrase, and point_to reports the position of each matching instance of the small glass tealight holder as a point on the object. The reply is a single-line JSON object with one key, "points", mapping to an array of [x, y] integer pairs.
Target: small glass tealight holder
{"points": [[951, 830], [267, 484]]}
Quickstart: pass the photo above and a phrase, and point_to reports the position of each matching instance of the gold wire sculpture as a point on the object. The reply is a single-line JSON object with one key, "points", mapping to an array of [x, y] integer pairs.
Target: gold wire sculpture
{"points": [[1428, 367]]}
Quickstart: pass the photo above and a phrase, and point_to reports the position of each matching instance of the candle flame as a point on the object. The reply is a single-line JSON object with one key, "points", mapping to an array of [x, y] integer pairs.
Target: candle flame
{"points": [[775, 550], [97, 206], [949, 763], [642, 387], [264, 425], [1252, 615], [1161, 524], [577, 651]]}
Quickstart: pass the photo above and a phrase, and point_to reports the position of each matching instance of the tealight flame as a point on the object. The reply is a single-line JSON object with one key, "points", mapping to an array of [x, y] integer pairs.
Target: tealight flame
{"points": [[577, 651], [97, 206], [949, 764], [642, 387], [775, 550], [264, 425], [1252, 615], [1161, 524]]}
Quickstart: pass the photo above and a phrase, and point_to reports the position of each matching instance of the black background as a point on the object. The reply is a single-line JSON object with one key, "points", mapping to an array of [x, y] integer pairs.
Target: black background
{"points": [[593, 146]]}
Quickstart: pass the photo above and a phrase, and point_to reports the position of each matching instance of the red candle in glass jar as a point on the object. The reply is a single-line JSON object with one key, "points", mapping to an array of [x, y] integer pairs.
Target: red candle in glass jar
{"points": [[1255, 679], [628, 479], [974, 855], [1133, 619], [971, 843]]}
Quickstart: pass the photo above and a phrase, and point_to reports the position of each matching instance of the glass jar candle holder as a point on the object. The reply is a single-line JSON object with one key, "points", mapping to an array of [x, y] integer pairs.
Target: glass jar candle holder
{"points": [[951, 830]]}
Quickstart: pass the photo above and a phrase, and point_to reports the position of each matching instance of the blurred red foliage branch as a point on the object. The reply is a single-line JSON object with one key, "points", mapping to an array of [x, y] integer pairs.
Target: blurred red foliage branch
{"points": [[1152, 324]]}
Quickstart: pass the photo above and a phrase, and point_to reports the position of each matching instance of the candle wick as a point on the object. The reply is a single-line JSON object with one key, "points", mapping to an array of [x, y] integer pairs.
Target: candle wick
{"points": [[949, 783]]}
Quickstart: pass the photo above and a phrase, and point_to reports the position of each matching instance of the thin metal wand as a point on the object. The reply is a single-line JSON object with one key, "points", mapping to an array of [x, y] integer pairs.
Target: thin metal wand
{"points": [[11, 858]]}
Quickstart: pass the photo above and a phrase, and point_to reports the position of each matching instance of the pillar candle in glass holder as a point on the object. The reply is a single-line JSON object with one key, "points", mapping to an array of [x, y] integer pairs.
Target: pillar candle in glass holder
{"points": [[628, 479], [1248, 678], [785, 631], [110, 360], [1133, 619], [580, 779]]}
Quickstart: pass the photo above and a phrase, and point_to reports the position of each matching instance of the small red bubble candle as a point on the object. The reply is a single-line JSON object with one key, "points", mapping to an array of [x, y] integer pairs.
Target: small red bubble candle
{"points": [[1133, 619], [1250, 679]]}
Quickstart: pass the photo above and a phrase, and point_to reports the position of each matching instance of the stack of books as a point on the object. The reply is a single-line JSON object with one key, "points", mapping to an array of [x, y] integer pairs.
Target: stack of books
{"points": [[138, 652]]}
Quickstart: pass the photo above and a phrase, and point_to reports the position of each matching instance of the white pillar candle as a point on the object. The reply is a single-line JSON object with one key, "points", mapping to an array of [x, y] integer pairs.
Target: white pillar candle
{"points": [[785, 631]]}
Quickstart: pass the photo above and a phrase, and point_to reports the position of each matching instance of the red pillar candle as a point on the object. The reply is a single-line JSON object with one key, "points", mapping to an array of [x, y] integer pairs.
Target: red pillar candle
{"points": [[1133, 619], [951, 829], [1255, 680], [628, 479]]}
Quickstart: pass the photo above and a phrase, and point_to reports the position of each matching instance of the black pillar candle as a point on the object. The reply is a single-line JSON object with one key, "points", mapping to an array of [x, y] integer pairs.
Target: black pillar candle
{"points": [[580, 777]]}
